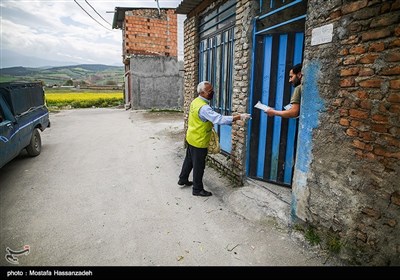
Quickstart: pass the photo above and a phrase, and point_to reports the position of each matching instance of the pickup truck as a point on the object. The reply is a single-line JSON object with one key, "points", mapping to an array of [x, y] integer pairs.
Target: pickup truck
{"points": [[23, 114]]}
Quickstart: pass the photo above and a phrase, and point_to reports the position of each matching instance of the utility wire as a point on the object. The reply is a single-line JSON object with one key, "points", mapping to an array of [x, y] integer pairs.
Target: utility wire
{"points": [[97, 12], [91, 16]]}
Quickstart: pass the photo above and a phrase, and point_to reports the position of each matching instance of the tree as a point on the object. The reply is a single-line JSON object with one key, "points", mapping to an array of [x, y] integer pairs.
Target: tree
{"points": [[69, 83]]}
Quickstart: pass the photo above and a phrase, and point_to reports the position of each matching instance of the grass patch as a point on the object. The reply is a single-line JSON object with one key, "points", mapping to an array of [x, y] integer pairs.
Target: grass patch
{"points": [[334, 244], [312, 237]]}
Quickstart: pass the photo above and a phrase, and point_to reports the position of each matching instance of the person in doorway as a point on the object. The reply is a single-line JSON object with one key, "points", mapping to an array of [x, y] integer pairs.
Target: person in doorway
{"points": [[292, 109], [200, 122]]}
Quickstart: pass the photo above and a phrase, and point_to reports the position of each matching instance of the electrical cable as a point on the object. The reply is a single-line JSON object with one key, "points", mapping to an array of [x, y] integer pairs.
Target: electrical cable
{"points": [[97, 12], [91, 16]]}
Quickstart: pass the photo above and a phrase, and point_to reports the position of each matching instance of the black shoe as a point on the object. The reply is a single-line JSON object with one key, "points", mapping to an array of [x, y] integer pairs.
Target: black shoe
{"points": [[202, 193], [187, 184]]}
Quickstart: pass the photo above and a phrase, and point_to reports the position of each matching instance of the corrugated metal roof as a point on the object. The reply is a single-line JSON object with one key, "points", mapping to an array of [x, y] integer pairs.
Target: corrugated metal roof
{"points": [[187, 6]]}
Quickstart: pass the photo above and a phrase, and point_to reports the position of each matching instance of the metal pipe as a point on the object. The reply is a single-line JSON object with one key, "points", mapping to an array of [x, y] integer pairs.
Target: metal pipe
{"points": [[158, 7]]}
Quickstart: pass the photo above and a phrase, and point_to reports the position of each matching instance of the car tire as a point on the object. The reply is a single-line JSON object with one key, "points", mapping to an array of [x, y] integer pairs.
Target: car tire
{"points": [[35, 146]]}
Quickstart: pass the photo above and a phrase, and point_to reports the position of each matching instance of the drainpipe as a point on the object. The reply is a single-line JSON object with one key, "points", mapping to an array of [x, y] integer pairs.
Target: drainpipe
{"points": [[158, 7]]}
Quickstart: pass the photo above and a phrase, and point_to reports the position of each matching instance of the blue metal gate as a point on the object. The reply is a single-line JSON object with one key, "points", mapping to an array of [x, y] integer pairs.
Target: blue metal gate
{"points": [[216, 62], [278, 45]]}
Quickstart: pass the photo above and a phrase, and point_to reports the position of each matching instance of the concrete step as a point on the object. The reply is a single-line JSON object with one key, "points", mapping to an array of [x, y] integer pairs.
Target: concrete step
{"points": [[256, 201], [262, 202]]}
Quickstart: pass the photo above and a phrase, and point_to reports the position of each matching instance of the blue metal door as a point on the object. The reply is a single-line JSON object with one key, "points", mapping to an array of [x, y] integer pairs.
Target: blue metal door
{"points": [[217, 35], [278, 45]]}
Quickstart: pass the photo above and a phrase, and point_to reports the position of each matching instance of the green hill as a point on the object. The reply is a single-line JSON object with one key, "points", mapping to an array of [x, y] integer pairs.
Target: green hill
{"points": [[83, 74]]}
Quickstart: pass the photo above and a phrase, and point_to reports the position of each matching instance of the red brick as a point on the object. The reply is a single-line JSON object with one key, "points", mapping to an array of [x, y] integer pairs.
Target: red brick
{"points": [[394, 70], [358, 114], [394, 84], [344, 52], [348, 103], [368, 58], [383, 107], [354, 6], [379, 128], [385, 20], [395, 109], [380, 118], [351, 40], [361, 94], [371, 83], [376, 96], [393, 57], [376, 34], [369, 156], [347, 82], [357, 49], [349, 71], [377, 47], [397, 31], [382, 152], [391, 141], [394, 97], [343, 112], [349, 60], [366, 72], [352, 132], [344, 122], [359, 125], [394, 44], [335, 14], [367, 136], [366, 104], [358, 144]]}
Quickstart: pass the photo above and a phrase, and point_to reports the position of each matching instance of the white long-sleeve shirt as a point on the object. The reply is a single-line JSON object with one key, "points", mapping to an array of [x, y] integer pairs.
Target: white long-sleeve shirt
{"points": [[206, 113]]}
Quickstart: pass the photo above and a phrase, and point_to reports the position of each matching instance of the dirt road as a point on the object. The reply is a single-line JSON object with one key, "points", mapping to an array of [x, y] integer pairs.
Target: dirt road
{"points": [[104, 192]]}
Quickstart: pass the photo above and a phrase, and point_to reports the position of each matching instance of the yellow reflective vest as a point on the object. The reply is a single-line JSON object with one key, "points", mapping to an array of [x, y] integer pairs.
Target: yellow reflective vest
{"points": [[199, 132]]}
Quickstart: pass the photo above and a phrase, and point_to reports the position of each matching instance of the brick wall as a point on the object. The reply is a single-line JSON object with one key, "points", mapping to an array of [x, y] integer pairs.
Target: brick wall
{"points": [[147, 33], [348, 186]]}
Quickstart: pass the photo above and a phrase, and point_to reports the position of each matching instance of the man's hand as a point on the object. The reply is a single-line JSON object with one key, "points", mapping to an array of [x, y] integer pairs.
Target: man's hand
{"points": [[270, 112], [245, 117]]}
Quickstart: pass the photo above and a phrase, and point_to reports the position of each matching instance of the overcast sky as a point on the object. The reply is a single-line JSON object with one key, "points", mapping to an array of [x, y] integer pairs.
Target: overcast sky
{"points": [[60, 30]]}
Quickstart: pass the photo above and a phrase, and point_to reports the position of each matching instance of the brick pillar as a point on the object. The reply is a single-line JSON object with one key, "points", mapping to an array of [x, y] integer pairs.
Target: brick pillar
{"points": [[245, 11], [191, 63]]}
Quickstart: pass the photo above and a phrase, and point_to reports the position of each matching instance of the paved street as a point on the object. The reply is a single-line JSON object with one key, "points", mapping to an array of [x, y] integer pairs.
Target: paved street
{"points": [[104, 192]]}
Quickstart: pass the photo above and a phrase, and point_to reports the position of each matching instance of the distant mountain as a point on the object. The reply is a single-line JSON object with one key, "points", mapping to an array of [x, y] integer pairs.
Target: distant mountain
{"points": [[18, 71], [83, 74], [10, 58], [89, 67]]}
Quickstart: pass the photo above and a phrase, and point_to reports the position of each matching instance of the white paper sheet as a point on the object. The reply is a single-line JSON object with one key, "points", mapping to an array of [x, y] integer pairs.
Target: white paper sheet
{"points": [[261, 106]]}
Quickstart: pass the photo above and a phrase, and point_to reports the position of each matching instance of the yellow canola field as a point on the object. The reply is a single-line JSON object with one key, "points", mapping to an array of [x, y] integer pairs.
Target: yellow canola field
{"points": [[65, 97], [84, 100]]}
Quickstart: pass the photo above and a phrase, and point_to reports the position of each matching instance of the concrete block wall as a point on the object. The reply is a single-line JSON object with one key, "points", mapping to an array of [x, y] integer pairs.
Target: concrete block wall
{"points": [[157, 82], [148, 33], [346, 180]]}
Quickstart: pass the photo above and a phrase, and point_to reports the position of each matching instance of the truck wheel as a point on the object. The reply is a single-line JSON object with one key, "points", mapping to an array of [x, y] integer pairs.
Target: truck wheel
{"points": [[35, 146]]}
